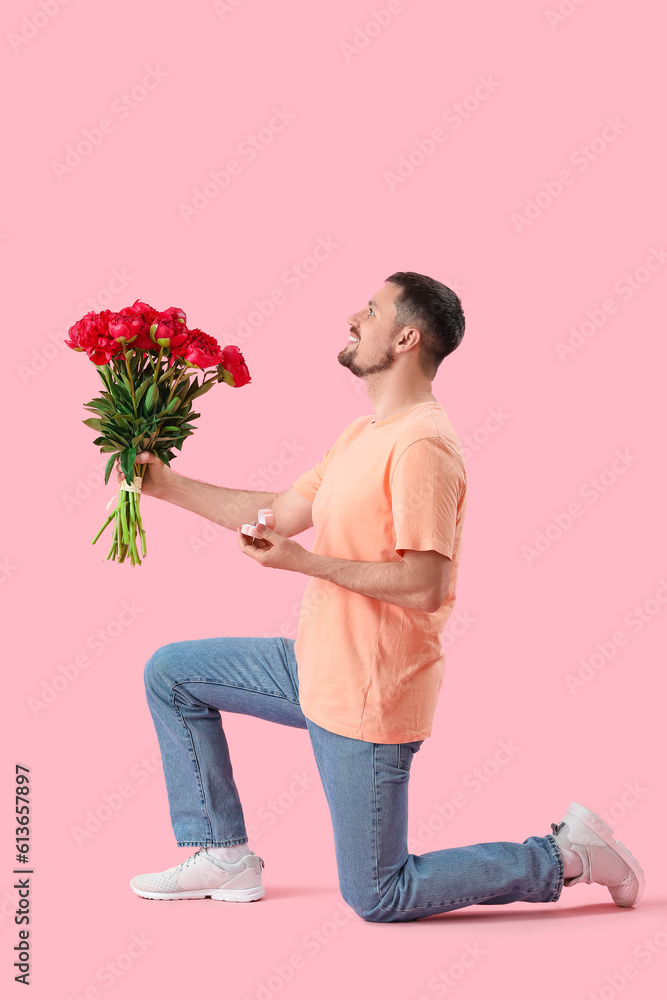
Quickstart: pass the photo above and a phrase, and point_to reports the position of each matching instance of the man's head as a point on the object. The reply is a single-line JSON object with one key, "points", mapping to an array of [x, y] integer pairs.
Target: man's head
{"points": [[412, 317]]}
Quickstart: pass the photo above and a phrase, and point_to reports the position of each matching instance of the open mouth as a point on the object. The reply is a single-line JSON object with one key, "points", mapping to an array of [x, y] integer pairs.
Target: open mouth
{"points": [[354, 339]]}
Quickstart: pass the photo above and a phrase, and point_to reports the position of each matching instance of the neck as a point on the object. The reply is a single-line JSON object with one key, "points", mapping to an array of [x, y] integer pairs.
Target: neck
{"points": [[386, 404]]}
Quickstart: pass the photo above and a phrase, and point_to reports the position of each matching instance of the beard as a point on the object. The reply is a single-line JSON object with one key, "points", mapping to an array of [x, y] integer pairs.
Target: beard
{"points": [[347, 358]]}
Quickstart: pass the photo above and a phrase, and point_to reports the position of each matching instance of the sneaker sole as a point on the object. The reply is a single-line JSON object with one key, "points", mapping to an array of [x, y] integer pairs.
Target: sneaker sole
{"points": [[598, 826], [229, 895]]}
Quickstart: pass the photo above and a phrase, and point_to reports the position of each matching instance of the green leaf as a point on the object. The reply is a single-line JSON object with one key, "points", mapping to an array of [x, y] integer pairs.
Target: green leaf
{"points": [[105, 449], [120, 441], [104, 374], [192, 388], [164, 456], [121, 396], [97, 404], [126, 382], [141, 390], [152, 397], [94, 422], [203, 388], [109, 466], [127, 458]]}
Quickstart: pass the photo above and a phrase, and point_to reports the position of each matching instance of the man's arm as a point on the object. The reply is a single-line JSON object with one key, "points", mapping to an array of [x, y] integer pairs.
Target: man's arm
{"points": [[224, 506], [420, 580]]}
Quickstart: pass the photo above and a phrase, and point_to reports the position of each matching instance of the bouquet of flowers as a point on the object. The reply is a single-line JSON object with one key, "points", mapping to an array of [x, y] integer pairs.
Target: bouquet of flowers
{"points": [[150, 365]]}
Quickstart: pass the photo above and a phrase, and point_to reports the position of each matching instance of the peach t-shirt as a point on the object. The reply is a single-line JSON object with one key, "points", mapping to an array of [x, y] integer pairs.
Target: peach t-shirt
{"points": [[369, 669]]}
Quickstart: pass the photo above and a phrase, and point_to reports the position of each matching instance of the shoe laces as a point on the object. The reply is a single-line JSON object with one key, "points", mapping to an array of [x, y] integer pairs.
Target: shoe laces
{"points": [[184, 864]]}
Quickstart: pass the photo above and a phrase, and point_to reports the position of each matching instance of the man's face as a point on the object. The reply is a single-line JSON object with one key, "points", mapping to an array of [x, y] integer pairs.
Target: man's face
{"points": [[371, 345]]}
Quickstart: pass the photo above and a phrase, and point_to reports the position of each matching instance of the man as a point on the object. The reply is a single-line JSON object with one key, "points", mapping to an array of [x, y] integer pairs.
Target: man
{"points": [[388, 500]]}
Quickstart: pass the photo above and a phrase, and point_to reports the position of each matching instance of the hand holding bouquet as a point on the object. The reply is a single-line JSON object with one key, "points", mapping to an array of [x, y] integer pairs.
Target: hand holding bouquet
{"points": [[149, 363]]}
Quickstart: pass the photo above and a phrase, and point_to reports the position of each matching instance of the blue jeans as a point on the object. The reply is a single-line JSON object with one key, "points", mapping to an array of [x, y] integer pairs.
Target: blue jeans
{"points": [[189, 683]]}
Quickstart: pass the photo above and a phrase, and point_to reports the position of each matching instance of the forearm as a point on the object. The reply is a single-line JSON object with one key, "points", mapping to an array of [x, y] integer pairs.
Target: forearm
{"points": [[227, 507], [390, 582]]}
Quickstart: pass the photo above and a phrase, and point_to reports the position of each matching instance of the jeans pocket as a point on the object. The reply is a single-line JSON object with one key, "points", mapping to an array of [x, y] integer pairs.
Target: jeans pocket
{"points": [[406, 752]]}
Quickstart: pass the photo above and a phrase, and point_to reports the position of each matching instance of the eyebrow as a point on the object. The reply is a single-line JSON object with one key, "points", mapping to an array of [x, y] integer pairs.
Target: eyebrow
{"points": [[372, 303]]}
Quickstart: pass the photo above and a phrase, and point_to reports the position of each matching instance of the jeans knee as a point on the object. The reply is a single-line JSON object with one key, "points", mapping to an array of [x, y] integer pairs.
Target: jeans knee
{"points": [[364, 902], [159, 671], [370, 905]]}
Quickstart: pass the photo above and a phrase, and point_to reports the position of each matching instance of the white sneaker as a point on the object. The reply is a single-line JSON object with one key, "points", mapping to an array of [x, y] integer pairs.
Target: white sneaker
{"points": [[205, 875], [605, 860]]}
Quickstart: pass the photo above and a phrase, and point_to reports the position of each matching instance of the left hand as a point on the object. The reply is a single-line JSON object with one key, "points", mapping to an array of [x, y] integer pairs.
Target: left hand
{"points": [[273, 550]]}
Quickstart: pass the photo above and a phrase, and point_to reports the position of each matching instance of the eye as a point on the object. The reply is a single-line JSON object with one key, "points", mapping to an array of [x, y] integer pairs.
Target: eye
{"points": [[370, 310]]}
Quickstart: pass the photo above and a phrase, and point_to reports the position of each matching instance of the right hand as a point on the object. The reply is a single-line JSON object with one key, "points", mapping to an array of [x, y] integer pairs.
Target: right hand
{"points": [[157, 475]]}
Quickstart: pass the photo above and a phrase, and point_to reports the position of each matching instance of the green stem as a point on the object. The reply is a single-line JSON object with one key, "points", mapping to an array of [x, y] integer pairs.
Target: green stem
{"points": [[176, 381], [129, 375], [157, 364], [108, 521]]}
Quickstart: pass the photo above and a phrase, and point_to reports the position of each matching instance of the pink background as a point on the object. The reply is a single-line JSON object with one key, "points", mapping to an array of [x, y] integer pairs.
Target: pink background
{"points": [[524, 625]]}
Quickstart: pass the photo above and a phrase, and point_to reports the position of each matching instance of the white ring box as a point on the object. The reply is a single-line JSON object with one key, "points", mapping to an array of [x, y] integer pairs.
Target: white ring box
{"points": [[262, 515]]}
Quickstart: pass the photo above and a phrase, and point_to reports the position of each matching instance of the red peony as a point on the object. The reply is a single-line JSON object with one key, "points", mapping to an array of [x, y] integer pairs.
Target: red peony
{"points": [[199, 349], [234, 364], [169, 329], [132, 326], [91, 334]]}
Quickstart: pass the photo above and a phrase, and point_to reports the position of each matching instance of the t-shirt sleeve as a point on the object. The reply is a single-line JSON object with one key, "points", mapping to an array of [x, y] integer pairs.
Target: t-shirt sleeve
{"points": [[428, 489], [308, 482]]}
